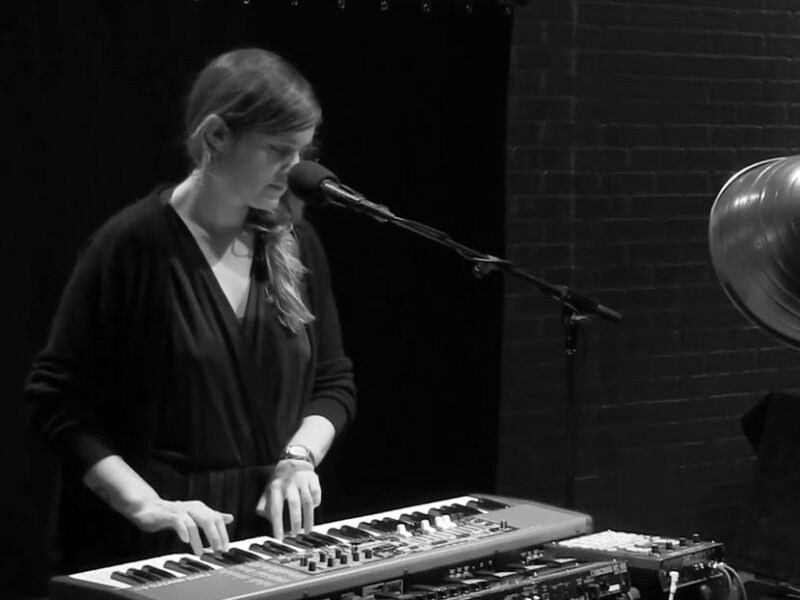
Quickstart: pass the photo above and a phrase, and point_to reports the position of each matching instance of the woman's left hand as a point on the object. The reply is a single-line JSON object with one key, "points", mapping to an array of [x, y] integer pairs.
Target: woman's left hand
{"points": [[295, 483]]}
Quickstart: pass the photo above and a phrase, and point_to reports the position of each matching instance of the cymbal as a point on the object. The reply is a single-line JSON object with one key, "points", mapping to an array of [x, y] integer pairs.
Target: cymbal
{"points": [[754, 238]]}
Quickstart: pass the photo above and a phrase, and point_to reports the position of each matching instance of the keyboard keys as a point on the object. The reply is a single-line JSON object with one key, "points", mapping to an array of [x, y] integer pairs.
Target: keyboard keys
{"points": [[160, 573], [179, 568], [357, 533], [325, 539], [311, 540], [128, 578], [265, 550], [300, 543], [488, 504], [141, 574], [244, 554], [280, 549], [222, 558], [190, 562], [335, 543]]}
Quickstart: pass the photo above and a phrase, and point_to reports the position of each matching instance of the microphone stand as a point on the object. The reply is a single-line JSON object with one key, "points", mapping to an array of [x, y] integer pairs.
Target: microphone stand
{"points": [[577, 309]]}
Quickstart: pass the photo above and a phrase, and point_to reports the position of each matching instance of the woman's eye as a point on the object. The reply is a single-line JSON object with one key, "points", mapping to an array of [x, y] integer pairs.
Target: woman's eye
{"points": [[281, 150]]}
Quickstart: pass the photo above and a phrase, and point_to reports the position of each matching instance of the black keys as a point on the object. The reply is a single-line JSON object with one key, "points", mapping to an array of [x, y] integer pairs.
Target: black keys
{"points": [[196, 564], [458, 511], [409, 521], [223, 558], [296, 540], [265, 550], [341, 534], [325, 539], [391, 523], [216, 558], [155, 571], [469, 509], [187, 566], [244, 554], [356, 533], [273, 548], [309, 540], [385, 525], [282, 548], [128, 578], [141, 576], [420, 516], [486, 504]]}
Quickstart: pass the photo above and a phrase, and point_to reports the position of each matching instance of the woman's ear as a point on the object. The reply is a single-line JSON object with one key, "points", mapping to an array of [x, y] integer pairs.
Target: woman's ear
{"points": [[216, 135]]}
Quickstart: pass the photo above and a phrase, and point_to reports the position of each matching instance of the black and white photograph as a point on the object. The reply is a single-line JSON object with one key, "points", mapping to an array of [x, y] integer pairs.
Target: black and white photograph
{"points": [[401, 300]]}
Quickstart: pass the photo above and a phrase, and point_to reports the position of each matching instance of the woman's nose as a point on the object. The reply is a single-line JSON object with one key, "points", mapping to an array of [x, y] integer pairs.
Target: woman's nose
{"points": [[293, 160]]}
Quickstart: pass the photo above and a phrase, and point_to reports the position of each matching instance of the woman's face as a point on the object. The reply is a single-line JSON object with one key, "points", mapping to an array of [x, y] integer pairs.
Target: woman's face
{"points": [[257, 165]]}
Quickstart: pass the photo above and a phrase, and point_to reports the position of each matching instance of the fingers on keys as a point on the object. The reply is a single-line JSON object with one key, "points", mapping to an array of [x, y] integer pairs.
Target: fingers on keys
{"points": [[276, 510], [307, 503], [299, 501], [195, 517]]}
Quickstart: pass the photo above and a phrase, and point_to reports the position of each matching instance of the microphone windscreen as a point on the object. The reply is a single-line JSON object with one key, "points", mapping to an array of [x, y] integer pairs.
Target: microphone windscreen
{"points": [[305, 178]]}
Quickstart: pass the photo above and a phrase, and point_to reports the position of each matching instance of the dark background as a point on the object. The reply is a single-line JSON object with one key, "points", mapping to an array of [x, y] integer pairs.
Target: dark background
{"points": [[625, 120], [414, 117]]}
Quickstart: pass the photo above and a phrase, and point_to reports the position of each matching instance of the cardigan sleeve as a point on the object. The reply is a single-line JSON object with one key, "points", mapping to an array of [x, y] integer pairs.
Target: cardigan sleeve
{"points": [[333, 393], [64, 386]]}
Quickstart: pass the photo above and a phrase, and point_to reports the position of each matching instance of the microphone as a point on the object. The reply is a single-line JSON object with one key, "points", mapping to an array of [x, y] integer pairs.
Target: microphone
{"points": [[316, 185]]}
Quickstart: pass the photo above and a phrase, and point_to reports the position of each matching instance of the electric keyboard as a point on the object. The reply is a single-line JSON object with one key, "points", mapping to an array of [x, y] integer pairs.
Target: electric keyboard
{"points": [[336, 557]]}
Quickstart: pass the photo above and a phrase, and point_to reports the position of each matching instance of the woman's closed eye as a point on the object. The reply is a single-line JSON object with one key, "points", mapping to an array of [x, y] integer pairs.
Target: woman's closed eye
{"points": [[282, 151]]}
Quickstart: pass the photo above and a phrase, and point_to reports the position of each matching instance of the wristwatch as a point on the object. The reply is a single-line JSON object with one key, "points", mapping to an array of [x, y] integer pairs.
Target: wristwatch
{"points": [[298, 452]]}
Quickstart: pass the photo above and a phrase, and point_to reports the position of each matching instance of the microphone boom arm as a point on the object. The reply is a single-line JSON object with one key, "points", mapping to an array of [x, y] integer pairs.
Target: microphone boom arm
{"points": [[483, 264]]}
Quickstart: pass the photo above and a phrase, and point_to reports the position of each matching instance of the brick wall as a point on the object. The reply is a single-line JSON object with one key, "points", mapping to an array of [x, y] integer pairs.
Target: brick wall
{"points": [[625, 119]]}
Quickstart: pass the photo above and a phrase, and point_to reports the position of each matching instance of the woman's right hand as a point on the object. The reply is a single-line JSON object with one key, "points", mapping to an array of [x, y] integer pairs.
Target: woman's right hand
{"points": [[187, 519], [125, 491]]}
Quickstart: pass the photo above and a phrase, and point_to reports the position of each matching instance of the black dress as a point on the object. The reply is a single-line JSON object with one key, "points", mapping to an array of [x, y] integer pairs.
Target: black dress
{"points": [[147, 359]]}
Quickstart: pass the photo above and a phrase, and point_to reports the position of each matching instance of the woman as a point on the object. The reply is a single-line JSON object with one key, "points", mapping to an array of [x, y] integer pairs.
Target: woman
{"points": [[194, 373]]}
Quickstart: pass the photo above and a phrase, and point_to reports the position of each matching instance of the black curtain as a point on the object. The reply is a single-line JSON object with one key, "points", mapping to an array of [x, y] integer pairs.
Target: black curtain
{"points": [[414, 107]]}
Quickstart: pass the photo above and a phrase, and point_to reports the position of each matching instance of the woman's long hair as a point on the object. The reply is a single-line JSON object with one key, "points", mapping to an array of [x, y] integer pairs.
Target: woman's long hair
{"points": [[256, 90]]}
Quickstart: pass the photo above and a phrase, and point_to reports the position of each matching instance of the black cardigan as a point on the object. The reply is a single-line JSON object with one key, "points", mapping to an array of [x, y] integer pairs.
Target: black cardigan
{"points": [[119, 370]]}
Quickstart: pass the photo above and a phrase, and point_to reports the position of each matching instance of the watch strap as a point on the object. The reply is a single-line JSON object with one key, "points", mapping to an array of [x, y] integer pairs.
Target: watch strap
{"points": [[298, 452]]}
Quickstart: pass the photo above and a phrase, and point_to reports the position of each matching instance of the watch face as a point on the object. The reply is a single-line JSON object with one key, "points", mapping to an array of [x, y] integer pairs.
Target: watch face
{"points": [[299, 452]]}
